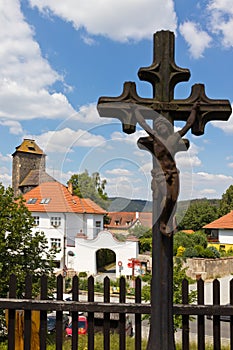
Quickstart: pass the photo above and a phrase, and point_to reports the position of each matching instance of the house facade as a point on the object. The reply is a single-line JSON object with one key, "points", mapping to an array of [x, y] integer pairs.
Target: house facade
{"points": [[220, 232], [122, 222], [61, 216]]}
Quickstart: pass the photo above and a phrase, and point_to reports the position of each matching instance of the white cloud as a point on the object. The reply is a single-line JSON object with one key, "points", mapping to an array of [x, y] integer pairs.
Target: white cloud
{"points": [[197, 39], [14, 126], [221, 19], [117, 19], [6, 158], [88, 114], [26, 75], [63, 141], [119, 171]]}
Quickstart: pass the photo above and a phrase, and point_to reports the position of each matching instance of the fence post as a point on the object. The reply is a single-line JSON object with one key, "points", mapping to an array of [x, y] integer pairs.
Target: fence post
{"points": [[200, 318], [106, 314], [43, 314], [28, 314], [216, 318], [91, 314], [75, 297], [185, 318], [11, 314], [138, 322]]}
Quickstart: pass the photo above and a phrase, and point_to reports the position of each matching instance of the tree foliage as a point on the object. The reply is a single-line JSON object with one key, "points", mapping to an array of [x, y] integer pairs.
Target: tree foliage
{"points": [[141, 231], [198, 215], [21, 252], [90, 186], [226, 203], [193, 245]]}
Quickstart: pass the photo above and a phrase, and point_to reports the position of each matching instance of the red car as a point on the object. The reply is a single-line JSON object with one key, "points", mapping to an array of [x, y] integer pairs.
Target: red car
{"points": [[82, 326]]}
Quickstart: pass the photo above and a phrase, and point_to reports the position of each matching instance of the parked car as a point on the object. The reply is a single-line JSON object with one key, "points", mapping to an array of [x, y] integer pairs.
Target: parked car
{"points": [[51, 322], [82, 326], [114, 323]]}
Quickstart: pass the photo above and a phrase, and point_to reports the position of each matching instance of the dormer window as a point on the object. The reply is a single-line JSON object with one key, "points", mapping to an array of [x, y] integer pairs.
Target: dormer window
{"points": [[45, 201], [117, 222], [32, 201]]}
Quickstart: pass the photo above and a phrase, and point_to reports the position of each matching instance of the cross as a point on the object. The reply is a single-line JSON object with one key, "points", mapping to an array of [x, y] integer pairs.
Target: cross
{"points": [[163, 74]]}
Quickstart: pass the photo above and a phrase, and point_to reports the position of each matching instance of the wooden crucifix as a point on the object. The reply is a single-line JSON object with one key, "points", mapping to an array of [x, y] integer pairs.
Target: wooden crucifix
{"points": [[196, 111]]}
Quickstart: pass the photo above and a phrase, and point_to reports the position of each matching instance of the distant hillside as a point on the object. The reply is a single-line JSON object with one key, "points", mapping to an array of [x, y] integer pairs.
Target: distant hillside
{"points": [[126, 204], [132, 205]]}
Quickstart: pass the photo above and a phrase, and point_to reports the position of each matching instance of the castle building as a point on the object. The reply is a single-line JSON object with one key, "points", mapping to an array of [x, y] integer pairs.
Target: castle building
{"points": [[28, 169]]}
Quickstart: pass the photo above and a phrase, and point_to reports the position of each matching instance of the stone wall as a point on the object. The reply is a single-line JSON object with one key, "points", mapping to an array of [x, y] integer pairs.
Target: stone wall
{"points": [[209, 268]]}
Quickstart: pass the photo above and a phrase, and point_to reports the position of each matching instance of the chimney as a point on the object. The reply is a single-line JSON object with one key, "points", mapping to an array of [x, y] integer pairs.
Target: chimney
{"points": [[70, 187]]}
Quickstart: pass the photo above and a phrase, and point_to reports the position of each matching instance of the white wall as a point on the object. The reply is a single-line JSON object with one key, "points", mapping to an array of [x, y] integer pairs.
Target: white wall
{"points": [[71, 224], [226, 236], [85, 252]]}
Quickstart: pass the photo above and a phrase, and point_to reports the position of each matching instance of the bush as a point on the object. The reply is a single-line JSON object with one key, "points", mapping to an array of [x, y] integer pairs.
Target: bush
{"points": [[190, 252], [82, 274], [199, 238]]}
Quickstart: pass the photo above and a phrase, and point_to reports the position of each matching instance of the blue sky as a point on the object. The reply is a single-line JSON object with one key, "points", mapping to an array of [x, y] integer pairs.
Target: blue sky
{"points": [[58, 57]]}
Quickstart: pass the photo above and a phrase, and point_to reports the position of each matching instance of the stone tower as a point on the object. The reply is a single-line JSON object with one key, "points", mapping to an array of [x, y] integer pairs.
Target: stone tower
{"points": [[28, 169]]}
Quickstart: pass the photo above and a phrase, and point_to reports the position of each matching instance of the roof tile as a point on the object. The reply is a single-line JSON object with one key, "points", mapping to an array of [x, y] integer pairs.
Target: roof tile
{"points": [[61, 200], [225, 221]]}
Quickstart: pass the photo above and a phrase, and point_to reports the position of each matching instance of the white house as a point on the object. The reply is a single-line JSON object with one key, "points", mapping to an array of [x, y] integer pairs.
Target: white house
{"points": [[220, 232], [61, 216]]}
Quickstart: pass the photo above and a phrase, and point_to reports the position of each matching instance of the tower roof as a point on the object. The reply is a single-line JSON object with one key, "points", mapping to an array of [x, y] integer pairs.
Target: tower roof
{"points": [[29, 146]]}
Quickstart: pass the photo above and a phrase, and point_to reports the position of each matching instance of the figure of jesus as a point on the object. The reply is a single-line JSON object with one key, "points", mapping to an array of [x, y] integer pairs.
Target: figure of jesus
{"points": [[164, 143]]}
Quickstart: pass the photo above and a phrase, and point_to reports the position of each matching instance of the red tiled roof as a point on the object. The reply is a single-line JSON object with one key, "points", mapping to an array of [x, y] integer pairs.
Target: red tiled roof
{"points": [[225, 221], [127, 219], [61, 200]]}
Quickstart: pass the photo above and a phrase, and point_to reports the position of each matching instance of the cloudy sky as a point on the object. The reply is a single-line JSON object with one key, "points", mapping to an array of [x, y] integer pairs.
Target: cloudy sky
{"points": [[58, 57]]}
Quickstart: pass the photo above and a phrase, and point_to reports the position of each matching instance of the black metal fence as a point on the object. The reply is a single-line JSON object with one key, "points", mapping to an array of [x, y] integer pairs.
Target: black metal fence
{"points": [[123, 308]]}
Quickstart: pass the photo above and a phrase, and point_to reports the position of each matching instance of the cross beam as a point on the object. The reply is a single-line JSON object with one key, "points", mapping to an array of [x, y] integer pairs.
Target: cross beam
{"points": [[163, 74], [210, 109]]}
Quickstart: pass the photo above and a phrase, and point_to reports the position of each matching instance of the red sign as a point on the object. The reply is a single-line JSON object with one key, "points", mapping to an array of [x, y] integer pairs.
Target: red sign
{"points": [[119, 263], [130, 265]]}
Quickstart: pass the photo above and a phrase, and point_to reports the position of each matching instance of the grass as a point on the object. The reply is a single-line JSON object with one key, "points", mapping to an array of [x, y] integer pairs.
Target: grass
{"points": [[114, 341]]}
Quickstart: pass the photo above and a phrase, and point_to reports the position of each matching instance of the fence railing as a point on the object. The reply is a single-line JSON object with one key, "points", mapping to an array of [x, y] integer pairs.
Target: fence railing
{"points": [[121, 307]]}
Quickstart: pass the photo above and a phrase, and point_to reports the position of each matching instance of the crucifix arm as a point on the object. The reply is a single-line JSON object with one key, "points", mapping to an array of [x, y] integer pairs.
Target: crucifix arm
{"points": [[191, 119], [141, 121]]}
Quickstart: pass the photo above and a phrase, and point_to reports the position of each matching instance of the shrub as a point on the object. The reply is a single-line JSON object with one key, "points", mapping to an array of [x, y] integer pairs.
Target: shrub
{"points": [[82, 274]]}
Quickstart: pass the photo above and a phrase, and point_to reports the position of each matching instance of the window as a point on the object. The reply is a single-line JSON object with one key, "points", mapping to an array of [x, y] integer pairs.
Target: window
{"points": [[55, 221], [45, 201], [55, 242], [98, 226], [32, 201], [36, 220]]}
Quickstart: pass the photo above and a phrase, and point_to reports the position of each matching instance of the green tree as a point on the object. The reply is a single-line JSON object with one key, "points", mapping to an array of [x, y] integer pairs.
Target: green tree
{"points": [[90, 186], [141, 231], [21, 252], [226, 203], [198, 215], [145, 244]]}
